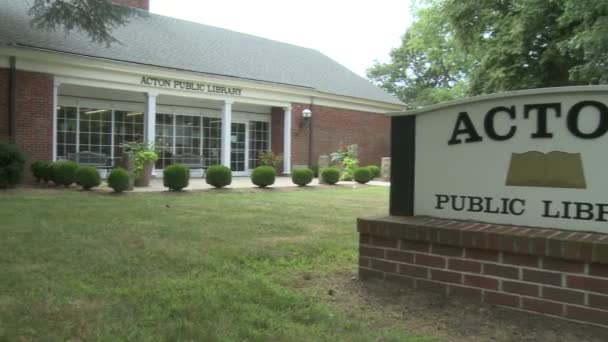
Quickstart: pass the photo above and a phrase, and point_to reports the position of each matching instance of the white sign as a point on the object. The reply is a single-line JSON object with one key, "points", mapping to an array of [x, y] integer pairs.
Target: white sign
{"points": [[532, 158]]}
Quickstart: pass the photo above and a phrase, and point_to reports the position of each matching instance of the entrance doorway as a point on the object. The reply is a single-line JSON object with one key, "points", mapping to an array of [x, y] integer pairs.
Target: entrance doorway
{"points": [[238, 146]]}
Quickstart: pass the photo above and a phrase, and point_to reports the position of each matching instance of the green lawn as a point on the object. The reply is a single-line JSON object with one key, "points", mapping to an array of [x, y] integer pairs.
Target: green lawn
{"points": [[204, 267]]}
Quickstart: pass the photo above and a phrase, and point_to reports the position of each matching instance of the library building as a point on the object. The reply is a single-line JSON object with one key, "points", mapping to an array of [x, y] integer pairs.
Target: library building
{"points": [[191, 89]]}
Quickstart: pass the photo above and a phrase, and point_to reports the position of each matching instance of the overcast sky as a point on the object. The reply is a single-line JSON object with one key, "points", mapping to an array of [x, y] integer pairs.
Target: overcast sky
{"points": [[354, 33]]}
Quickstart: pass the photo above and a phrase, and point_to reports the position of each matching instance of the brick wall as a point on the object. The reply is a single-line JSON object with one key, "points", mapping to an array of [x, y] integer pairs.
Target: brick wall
{"points": [[335, 126], [551, 272], [143, 4], [4, 100], [34, 121]]}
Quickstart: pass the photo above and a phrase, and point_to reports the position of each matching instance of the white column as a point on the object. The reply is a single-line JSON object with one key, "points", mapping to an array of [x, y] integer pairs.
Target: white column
{"points": [[287, 140], [150, 119], [54, 125], [226, 132]]}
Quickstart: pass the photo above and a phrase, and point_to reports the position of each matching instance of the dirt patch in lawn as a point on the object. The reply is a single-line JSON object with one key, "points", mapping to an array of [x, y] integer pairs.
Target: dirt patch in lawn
{"points": [[449, 319]]}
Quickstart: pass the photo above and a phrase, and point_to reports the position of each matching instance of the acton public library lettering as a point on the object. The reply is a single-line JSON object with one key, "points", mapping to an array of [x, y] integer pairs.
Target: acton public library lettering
{"points": [[517, 206], [185, 85], [465, 127]]}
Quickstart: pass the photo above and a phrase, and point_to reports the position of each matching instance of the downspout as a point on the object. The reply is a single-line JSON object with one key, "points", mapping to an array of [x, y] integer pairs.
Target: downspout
{"points": [[12, 100], [310, 135]]}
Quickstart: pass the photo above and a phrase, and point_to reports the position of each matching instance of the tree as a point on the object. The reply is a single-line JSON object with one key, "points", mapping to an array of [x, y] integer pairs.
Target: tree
{"points": [[429, 66], [97, 18], [489, 46]]}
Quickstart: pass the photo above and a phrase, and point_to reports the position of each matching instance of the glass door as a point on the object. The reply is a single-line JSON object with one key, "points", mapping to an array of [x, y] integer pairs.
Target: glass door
{"points": [[238, 142]]}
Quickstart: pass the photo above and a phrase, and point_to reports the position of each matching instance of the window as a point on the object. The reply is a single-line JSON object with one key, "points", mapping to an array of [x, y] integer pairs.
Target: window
{"points": [[128, 127], [66, 131], [81, 129], [212, 141], [258, 141], [187, 134]]}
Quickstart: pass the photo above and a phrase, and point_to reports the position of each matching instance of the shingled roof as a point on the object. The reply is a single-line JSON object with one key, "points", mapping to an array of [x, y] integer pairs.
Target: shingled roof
{"points": [[162, 41]]}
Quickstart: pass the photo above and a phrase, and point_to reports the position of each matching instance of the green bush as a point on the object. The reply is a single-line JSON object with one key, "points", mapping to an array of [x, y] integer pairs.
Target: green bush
{"points": [[330, 175], [302, 177], [375, 170], [64, 172], [362, 175], [47, 172], [263, 176], [176, 177], [12, 165], [119, 180], [218, 176], [87, 177], [38, 169], [350, 165]]}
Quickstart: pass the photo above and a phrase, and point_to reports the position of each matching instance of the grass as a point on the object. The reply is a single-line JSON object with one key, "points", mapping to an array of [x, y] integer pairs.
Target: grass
{"points": [[180, 267]]}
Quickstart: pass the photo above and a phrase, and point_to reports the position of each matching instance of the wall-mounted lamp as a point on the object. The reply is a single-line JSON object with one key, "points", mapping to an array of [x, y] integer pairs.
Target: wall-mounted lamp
{"points": [[306, 114]]}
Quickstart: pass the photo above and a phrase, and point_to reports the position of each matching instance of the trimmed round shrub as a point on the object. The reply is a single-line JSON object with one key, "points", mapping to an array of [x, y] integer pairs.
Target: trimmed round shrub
{"points": [[330, 175], [176, 177], [218, 176], [64, 172], [12, 165], [302, 177], [263, 176], [88, 177], [119, 180], [38, 169], [362, 175], [374, 170]]}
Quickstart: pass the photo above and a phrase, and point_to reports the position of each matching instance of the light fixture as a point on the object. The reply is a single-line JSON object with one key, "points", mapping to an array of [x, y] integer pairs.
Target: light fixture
{"points": [[306, 113], [96, 111], [134, 113]]}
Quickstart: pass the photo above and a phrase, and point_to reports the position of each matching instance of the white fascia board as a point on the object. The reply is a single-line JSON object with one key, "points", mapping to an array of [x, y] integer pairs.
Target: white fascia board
{"points": [[89, 68]]}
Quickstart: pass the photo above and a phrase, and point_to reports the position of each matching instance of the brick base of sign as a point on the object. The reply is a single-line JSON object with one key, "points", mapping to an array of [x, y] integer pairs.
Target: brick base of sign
{"points": [[552, 272]]}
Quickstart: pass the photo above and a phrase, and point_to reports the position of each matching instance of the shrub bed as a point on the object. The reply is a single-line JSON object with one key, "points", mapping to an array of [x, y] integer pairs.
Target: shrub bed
{"points": [[87, 177], [330, 175], [64, 172], [263, 176], [176, 177], [302, 177], [12, 165], [119, 180], [362, 175], [218, 176]]}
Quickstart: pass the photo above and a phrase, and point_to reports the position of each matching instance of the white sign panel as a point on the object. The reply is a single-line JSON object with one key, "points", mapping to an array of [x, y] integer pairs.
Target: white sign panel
{"points": [[533, 158]]}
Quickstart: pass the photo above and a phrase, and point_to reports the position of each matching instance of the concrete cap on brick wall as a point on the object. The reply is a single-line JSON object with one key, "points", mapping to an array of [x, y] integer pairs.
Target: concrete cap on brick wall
{"points": [[580, 246]]}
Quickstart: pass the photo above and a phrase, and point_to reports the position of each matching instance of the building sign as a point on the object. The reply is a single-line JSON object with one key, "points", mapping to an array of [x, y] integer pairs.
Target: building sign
{"points": [[193, 86], [532, 158]]}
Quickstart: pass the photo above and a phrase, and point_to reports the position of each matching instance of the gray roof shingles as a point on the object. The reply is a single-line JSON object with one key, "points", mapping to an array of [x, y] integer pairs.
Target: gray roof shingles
{"points": [[168, 42]]}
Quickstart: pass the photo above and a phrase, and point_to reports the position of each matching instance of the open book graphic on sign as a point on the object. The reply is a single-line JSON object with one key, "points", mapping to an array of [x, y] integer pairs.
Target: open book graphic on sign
{"points": [[550, 170]]}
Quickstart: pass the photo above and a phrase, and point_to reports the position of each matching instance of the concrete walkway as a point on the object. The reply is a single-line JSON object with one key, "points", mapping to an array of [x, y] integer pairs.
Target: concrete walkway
{"points": [[241, 183]]}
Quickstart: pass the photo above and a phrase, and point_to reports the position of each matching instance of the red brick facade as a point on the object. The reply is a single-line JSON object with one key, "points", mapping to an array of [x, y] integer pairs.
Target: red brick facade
{"points": [[547, 271], [4, 100], [332, 127], [143, 4], [34, 115]]}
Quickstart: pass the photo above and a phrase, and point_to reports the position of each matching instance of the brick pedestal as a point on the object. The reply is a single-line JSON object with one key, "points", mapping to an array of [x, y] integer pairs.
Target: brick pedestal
{"points": [[551, 272]]}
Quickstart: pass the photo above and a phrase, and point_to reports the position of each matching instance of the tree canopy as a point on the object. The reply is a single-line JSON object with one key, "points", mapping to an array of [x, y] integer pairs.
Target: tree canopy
{"points": [[460, 48], [97, 18]]}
